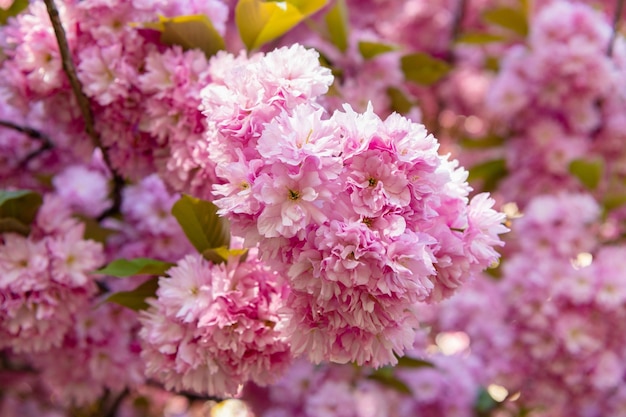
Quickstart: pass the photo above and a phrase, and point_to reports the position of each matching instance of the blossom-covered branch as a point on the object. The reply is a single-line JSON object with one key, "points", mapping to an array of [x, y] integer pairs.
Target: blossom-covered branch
{"points": [[82, 100]]}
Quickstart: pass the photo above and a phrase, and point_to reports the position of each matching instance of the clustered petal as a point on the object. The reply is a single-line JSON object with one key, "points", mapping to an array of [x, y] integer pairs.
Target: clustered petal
{"points": [[361, 214]]}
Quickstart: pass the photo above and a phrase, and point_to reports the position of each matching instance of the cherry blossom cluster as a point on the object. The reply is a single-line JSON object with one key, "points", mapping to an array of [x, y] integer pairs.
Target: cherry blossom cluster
{"points": [[214, 327], [45, 278], [145, 95], [363, 216], [449, 387], [560, 97], [556, 312], [99, 354]]}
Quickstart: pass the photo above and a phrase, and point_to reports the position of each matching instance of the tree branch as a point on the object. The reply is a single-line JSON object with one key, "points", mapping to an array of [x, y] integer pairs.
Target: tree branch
{"points": [[455, 28], [618, 14], [46, 143], [81, 98]]}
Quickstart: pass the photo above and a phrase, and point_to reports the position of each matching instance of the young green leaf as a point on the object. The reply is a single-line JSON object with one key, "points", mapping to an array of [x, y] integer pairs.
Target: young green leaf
{"points": [[369, 50], [385, 377], [408, 362], [261, 21], [94, 230], [138, 266], [424, 69], [190, 32], [589, 172], [18, 209], [399, 101], [136, 299], [200, 222], [489, 141], [16, 8], [337, 25], [508, 18], [479, 38], [490, 172], [221, 254]]}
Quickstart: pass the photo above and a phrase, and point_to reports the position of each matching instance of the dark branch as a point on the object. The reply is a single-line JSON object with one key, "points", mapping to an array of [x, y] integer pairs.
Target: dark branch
{"points": [[455, 28], [115, 405], [46, 143], [618, 14], [81, 98], [33, 133]]}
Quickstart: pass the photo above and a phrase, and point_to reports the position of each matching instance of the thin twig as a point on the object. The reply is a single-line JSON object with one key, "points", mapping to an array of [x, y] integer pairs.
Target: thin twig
{"points": [[455, 30], [115, 405], [70, 71], [46, 143], [33, 133], [616, 18], [81, 98]]}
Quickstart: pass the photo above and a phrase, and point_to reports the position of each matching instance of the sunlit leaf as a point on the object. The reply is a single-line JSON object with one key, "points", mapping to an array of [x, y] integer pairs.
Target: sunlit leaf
{"points": [[337, 25], [589, 172], [221, 254], [508, 18], [200, 222], [424, 69], [399, 101], [369, 50], [261, 21], [613, 201], [138, 266], [16, 8], [136, 299], [190, 32], [479, 38]]}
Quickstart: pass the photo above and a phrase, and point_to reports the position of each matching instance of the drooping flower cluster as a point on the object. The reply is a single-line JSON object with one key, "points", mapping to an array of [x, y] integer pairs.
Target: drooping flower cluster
{"points": [[557, 313], [448, 387], [560, 99], [45, 278], [214, 327], [144, 95], [100, 353], [361, 214]]}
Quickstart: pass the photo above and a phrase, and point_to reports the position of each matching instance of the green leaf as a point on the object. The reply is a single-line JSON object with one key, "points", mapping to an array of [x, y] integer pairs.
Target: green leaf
{"points": [[484, 403], [386, 378], [221, 254], [369, 50], [489, 141], [138, 266], [94, 230], [200, 222], [508, 18], [490, 172], [424, 69], [589, 172], [613, 201], [16, 8], [261, 21], [190, 32], [18, 209], [399, 101], [337, 25], [11, 225], [479, 38], [408, 362], [136, 299]]}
